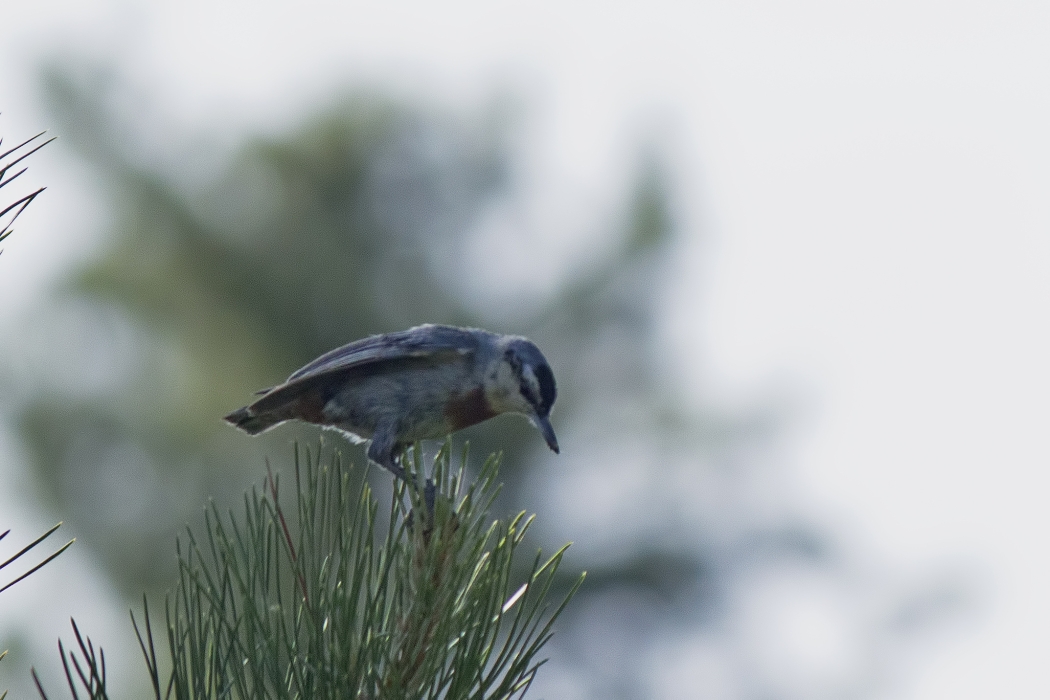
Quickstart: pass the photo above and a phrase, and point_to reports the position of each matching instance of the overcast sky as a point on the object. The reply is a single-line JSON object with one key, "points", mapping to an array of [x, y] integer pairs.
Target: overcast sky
{"points": [[864, 185]]}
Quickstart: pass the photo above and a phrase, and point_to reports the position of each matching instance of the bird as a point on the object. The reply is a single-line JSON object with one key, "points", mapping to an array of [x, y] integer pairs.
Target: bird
{"points": [[423, 383]]}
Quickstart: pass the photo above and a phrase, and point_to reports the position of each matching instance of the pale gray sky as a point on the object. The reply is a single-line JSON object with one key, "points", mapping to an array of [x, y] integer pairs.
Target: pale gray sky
{"points": [[871, 181]]}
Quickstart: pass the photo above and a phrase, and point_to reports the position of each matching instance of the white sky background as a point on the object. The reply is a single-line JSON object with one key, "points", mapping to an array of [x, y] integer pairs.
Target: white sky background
{"points": [[871, 181]]}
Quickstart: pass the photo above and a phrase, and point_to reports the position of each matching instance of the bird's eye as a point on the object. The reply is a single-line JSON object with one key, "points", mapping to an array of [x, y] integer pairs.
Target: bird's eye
{"points": [[512, 359]]}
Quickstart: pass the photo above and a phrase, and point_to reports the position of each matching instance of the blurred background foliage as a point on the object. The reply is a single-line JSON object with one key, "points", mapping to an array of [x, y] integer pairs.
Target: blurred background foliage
{"points": [[216, 281]]}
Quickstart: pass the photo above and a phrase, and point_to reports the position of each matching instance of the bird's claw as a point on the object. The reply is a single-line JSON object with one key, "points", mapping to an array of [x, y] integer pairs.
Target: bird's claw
{"points": [[430, 501], [429, 496]]}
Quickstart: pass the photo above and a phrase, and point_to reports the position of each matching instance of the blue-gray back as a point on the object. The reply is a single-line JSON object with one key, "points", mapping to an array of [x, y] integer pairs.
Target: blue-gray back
{"points": [[415, 343]]}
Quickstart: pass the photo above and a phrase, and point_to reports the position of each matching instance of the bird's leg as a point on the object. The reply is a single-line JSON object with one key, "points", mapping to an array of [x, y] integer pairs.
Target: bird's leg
{"points": [[383, 453], [429, 488], [429, 491], [397, 470]]}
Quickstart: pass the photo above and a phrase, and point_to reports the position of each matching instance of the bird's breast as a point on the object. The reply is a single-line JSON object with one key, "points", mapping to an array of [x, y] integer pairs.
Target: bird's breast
{"points": [[467, 409]]}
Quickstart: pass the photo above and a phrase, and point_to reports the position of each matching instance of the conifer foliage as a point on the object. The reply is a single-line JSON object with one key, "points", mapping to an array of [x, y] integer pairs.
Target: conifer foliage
{"points": [[335, 597], [12, 160]]}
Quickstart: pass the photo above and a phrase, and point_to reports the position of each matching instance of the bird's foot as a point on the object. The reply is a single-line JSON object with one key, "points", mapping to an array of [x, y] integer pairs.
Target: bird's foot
{"points": [[429, 502], [430, 495]]}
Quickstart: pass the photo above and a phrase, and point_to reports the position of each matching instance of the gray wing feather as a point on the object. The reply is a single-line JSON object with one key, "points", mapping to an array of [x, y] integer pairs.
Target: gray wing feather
{"points": [[439, 343], [422, 341]]}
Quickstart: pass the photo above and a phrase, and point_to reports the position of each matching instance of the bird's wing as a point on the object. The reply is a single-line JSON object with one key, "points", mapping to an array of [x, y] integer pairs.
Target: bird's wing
{"points": [[424, 343], [419, 342]]}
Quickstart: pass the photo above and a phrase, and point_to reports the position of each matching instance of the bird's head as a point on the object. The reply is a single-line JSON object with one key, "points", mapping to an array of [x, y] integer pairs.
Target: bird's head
{"points": [[521, 381]]}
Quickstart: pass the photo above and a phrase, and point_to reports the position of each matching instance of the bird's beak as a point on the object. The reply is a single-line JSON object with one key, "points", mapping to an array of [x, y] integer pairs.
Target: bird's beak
{"points": [[544, 424]]}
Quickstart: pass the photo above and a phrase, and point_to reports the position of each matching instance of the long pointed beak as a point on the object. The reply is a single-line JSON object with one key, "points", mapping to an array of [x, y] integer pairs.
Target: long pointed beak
{"points": [[544, 424]]}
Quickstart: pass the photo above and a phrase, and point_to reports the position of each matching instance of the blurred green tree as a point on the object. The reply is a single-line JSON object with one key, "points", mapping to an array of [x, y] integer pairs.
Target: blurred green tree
{"points": [[296, 245], [225, 270]]}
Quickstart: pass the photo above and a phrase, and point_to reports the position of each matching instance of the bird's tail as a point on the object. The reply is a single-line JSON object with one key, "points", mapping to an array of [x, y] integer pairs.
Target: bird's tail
{"points": [[250, 422], [301, 400]]}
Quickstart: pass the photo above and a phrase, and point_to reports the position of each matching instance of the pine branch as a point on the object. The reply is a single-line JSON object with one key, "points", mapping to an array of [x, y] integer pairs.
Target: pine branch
{"points": [[8, 160], [25, 550], [336, 599]]}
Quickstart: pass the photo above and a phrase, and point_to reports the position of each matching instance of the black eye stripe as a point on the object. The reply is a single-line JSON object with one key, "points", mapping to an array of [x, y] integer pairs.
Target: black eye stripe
{"points": [[548, 390]]}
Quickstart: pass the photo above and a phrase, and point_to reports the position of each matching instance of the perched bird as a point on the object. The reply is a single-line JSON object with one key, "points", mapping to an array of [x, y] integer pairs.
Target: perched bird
{"points": [[423, 383]]}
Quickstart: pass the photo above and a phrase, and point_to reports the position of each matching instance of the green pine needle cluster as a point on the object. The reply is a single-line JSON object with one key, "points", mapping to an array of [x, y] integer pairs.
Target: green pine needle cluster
{"points": [[26, 550], [16, 559], [336, 598], [9, 160]]}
